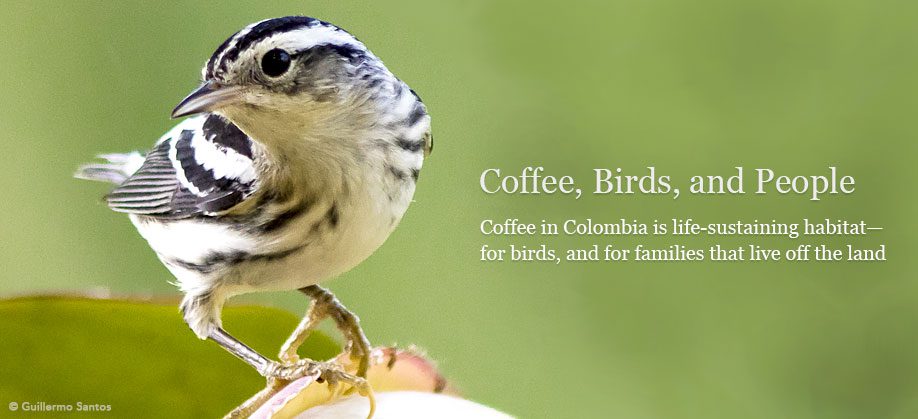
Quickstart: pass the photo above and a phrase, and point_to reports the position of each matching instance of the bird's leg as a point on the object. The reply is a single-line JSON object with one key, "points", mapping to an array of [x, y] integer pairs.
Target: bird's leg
{"points": [[241, 351], [253, 403], [314, 315], [325, 304], [279, 375], [287, 371]]}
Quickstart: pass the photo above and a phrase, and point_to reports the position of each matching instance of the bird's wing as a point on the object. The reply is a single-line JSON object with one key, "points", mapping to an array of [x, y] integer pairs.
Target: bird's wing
{"points": [[202, 166]]}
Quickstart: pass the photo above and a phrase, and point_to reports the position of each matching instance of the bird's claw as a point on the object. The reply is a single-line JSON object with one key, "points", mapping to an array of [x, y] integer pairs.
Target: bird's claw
{"points": [[279, 375], [325, 372], [359, 352]]}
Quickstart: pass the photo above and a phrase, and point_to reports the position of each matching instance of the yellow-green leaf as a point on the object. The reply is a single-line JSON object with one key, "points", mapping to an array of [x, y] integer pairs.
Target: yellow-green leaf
{"points": [[137, 357]]}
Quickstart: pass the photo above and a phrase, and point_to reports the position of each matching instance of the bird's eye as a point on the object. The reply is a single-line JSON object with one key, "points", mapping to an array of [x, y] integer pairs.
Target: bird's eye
{"points": [[275, 62]]}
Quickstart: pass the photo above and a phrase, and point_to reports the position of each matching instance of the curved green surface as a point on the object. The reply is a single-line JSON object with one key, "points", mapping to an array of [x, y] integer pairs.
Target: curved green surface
{"points": [[137, 357]]}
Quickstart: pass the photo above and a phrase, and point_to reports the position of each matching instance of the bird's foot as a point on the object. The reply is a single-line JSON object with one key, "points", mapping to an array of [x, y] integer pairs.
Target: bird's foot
{"points": [[326, 305], [358, 346], [325, 372], [279, 375]]}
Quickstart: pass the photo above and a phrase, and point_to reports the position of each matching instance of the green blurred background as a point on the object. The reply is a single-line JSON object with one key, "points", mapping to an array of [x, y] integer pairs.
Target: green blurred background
{"points": [[689, 87]]}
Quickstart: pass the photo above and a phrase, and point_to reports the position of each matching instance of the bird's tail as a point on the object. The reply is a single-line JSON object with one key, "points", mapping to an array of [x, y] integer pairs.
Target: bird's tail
{"points": [[115, 169]]}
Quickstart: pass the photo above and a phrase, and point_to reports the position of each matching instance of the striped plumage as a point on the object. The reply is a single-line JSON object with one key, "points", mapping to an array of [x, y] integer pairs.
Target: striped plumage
{"points": [[282, 181], [201, 167]]}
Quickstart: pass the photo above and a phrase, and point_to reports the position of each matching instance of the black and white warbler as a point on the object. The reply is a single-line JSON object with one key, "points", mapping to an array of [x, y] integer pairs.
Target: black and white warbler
{"points": [[301, 159]]}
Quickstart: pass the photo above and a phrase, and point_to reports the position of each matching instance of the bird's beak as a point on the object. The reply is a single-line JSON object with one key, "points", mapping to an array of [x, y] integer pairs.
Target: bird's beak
{"points": [[208, 97]]}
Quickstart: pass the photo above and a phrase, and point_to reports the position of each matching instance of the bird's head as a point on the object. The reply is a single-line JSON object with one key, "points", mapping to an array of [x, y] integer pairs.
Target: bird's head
{"points": [[277, 73]]}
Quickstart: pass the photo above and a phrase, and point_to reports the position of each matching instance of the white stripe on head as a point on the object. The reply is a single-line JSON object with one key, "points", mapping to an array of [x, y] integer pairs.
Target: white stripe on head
{"points": [[229, 46], [302, 39]]}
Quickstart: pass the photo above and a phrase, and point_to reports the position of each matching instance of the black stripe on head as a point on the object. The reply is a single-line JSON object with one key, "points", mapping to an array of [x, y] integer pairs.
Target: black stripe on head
{"points": [[415, 94], [408, 145], [209, 69], [258, 32], [354, 55], [417, 113]]}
